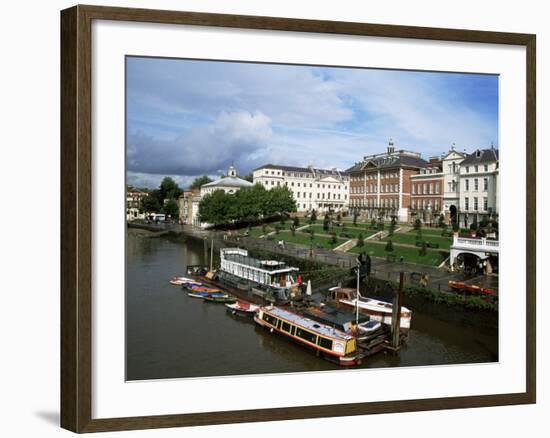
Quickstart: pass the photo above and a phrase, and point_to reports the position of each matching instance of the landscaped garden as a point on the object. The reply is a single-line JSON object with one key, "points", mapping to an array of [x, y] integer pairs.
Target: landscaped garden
{"points": [[409, 254], [305, 239], [412, 239]]}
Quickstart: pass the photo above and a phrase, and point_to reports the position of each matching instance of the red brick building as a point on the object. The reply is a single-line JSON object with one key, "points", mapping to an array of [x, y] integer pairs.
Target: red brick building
{"points": [[380, 184]]}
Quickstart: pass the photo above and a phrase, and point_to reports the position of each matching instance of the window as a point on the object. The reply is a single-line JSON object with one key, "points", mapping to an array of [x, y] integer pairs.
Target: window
{"points": [[466, 204], [303, 334], [437, 188], [476, 184], [475, 204], [292, 184], [298, 184], [286, 327], [486, 167], [272, 183], [414, 189], [485, 184], [485, 204], [467, 169], [476, 168], [466, 184]]}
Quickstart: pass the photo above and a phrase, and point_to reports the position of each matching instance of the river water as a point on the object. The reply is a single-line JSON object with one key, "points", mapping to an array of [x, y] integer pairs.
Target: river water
{"points": [[170, 335]]}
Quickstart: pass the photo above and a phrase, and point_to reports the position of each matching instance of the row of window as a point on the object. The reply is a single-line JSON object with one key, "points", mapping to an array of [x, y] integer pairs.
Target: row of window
{"points": [[475, 204], [424, 204], [383, 175], [297, 174], [425, 189], [298, 331], [476, 168], [321, 195], [373, 188], [373, 202], [319, 186], [476, 184]]}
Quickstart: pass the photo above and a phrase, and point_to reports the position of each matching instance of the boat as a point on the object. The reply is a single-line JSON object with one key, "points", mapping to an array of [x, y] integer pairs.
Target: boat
{"points": [[178, 281], [272, 280], [205, 294], [331, 343], [344, 320], [242, 308], [377, 310], [201, 288], [215, 298]]}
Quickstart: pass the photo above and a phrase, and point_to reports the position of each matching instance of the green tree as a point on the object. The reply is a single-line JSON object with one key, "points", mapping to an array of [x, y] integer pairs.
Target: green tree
{"points": [[278, 201], [389, 246], [313, 217], [171, 208], [215, 208], [417, 224], [360, 240], [326, 223], [293, 230], [423, 249], [150, 204], [199, 182], [169, 189], [441, 221], [333, 239], [296, 221], [393, 225], [355, 218], [311, 235], [373, 223]]}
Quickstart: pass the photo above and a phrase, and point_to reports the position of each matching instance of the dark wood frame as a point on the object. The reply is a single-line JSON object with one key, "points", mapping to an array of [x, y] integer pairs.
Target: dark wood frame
{"points": [[76, 225]]}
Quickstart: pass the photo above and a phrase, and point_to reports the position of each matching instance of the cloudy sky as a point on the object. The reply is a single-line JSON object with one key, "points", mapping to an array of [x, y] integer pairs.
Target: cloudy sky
{"points": [[191, 118]]}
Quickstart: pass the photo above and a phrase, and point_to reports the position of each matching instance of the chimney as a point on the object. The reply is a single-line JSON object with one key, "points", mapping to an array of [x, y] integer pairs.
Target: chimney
{"points": [[391, 148]]}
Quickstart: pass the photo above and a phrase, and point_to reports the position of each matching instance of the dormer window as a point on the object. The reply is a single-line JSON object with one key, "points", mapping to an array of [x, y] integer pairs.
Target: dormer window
{"points": [[478, 153]]}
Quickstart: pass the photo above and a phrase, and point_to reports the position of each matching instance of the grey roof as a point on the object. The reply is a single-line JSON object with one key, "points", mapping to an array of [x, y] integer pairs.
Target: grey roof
{"points": [[387, 161], [229, 181], [481, 156], [303, 169]]}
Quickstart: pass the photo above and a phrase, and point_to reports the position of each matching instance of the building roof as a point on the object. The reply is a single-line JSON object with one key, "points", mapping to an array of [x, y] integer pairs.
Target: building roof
{"points": [[303, 169], [481, 156], [229, 181], [392, 160]]}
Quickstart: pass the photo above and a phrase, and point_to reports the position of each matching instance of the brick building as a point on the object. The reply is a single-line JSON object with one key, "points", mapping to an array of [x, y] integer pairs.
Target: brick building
{"points": [[427, 192], [380, 184]]}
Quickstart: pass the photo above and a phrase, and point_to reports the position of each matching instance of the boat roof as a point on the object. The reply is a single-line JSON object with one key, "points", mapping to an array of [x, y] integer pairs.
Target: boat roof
{"points": [[332, 316], [309, 324], [271, 266]]}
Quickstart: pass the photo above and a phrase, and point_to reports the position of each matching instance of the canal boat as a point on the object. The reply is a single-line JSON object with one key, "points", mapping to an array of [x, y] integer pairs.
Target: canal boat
{"points": [[242, 308], [377, 310], [331, 343], [205, 294], [273, 280], [216, 298], [342, 319]]}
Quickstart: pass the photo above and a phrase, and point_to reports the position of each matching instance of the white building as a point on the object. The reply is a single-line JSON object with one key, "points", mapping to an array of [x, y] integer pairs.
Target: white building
{"points": [[312, 188], [229, 184], [478, 186], [451, 184]]}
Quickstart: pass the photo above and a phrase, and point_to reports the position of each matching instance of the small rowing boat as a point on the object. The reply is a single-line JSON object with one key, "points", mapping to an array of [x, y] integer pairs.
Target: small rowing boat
{"points": [[203, 294], [242, 308]]}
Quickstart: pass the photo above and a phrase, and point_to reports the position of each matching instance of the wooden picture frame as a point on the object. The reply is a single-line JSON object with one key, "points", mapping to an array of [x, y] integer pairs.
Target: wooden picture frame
{"points": [[76, 218]]}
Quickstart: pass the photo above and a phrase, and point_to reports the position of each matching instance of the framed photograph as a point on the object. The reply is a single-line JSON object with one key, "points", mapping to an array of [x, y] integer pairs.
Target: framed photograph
{"points": [[269, 218]]}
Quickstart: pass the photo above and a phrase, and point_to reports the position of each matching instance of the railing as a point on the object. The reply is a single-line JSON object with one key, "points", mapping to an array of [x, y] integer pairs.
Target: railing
{"points": [[480, 244]]}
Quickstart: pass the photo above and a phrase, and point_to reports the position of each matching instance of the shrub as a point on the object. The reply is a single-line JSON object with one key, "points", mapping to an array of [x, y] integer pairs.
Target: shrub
{"points": [[423, 249], [360, 240], [389, 246]]}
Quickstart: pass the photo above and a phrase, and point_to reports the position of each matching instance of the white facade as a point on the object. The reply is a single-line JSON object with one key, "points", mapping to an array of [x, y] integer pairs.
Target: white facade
{"points": [[312, 189], [451, 182]]}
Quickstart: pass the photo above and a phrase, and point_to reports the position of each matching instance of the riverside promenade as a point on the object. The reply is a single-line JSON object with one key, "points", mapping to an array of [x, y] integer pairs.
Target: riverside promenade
{"points": [[381, 268]]}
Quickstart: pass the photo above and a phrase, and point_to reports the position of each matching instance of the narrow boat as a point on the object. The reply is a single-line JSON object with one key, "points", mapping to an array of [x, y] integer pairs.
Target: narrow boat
{"points": [[378, 310], [215, 298], [203, 294], [242, 308], [332, 344]]}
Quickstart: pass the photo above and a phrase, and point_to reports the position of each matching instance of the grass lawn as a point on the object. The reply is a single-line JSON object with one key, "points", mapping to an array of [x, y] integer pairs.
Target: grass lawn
{"points": [[303, 239], [431, 231], [352, 231], [432, 258], [410, 239]]}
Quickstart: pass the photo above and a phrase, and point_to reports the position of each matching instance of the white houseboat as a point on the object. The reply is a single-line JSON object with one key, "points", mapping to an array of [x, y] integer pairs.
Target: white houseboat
{"points": [[377, 310], [269, 276]]}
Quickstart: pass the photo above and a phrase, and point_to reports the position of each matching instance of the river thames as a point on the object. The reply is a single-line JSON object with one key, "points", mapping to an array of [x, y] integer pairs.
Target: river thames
{"points": [[170, 335]]}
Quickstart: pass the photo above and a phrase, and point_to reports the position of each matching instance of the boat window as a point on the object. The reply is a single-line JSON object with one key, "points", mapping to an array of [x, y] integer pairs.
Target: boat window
{"points": [[286, 326], [270, 319], [325, 343], [308, 336]]}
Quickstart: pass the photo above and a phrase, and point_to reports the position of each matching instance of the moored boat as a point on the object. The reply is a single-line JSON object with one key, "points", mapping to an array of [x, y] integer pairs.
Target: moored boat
{"points": [[178, 281], [205, 294], [242, 308], [216, 298], [331, 343], [377, 310]]}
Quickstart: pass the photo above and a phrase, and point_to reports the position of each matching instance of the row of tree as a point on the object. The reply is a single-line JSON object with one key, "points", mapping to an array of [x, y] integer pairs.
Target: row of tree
{"points": [[250, 203], [163, 199]]}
